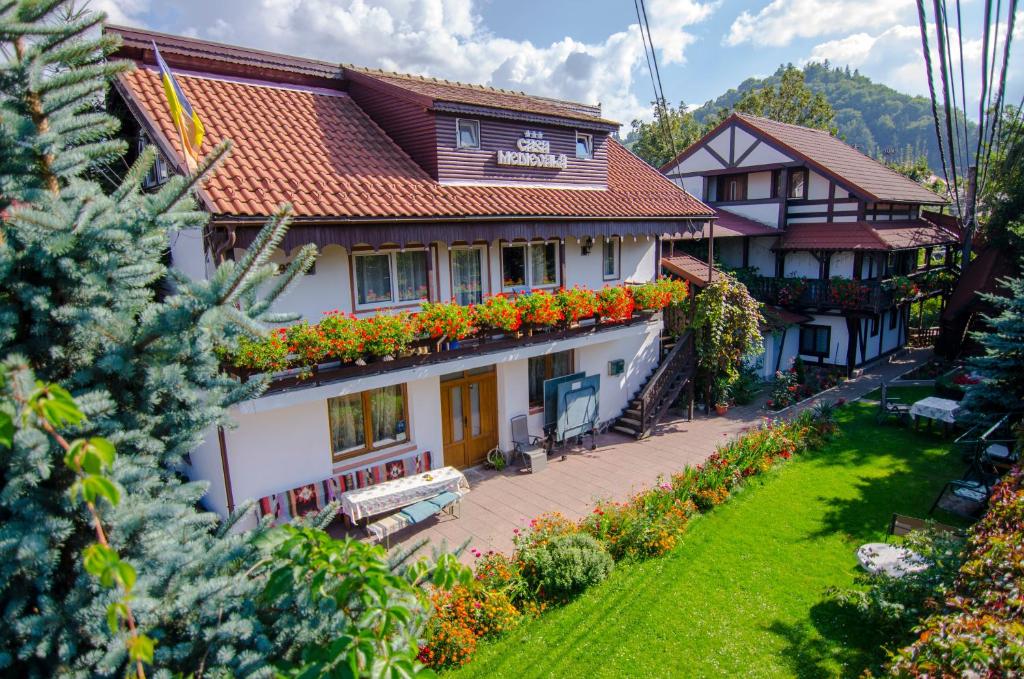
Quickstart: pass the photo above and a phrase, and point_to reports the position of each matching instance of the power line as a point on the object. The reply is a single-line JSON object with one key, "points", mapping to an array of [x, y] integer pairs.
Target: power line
{"points": [[652, 58]]}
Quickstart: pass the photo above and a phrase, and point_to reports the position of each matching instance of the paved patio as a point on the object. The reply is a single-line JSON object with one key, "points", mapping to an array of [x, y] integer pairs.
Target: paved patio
{"points": [[500, 502]]}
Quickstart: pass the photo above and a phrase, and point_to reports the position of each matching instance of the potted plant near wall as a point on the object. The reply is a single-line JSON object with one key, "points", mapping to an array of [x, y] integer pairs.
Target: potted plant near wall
{"points": [[723, 390]]}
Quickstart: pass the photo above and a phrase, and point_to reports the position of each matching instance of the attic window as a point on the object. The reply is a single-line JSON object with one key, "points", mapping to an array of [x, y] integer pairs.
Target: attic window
{"points": [[159, 172], [584, 146], [467, 133]]}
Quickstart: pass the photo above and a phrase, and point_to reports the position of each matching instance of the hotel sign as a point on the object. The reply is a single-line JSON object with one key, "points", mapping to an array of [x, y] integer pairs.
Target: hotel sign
{"points": [[534, 151]]}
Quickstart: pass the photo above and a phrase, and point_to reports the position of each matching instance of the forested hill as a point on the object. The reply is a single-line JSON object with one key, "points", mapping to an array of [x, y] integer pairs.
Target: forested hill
{"points": [[875, 118]]}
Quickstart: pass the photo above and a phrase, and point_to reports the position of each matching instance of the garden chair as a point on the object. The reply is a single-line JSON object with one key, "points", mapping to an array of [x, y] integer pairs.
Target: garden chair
{"points": [[967, 496], [997, 449], [522, 441], [901, 524], [892, 408]]}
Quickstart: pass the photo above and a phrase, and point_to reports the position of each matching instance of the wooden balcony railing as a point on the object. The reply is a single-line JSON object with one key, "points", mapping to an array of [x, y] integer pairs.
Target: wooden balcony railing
{"points": [[812, 293]]}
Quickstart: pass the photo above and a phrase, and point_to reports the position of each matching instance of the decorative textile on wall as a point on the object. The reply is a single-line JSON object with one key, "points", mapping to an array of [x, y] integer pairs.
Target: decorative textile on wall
{"points": [[313, 497]]}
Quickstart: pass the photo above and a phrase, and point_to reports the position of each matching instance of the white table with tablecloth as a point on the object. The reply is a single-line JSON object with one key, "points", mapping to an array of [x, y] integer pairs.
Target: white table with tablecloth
{"points": [[881, 557], [391, 495], [935, 408]]}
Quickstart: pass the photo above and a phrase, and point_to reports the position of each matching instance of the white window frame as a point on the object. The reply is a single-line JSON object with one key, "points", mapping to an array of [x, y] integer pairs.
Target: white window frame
{"points": [[458, 133], [616, 243], [590, 146], [528, 283], [393, 264], [485, 284]]}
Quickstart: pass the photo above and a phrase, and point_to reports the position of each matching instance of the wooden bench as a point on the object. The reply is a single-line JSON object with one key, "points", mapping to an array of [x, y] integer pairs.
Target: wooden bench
{"points": [[382, 529], [900, 525]]}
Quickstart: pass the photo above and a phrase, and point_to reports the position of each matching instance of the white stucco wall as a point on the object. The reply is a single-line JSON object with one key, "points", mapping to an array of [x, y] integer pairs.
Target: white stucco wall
{"points": [[764, 155], [759, 185], [818, 187], [720, 143], [729, 251], [801, 264], [841, 265], [700, 161], [766, 213], [762, 257], [188, 254]]}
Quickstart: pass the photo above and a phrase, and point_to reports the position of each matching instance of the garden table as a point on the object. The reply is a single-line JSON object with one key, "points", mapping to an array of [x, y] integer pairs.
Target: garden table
{"points": [[881, 557], [390, 495], [934, 408]]}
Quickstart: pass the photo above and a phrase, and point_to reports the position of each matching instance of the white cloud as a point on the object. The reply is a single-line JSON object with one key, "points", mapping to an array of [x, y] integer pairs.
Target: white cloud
{"points": [[894, 57], [781, 21], [441, 38]]}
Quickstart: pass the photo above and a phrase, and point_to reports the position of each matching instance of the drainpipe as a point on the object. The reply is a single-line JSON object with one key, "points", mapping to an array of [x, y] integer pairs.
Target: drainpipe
{"points": [[225, 469]]}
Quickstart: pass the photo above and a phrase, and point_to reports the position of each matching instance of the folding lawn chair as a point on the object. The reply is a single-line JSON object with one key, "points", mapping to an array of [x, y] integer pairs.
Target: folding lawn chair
{"points": [[892, 408]]}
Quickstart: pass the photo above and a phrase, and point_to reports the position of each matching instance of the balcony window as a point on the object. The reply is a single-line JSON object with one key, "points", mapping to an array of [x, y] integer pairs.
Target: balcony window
{"points": [[798, 183], [390, 279], [610, 257], [547, 367], [467, 133], [584, 146], [467, 275], [815, 340], [367, 421], [534, 265]]}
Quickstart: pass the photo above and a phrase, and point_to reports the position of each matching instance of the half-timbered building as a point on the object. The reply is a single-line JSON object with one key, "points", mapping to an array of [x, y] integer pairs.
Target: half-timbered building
{"points": [[814, 226]]}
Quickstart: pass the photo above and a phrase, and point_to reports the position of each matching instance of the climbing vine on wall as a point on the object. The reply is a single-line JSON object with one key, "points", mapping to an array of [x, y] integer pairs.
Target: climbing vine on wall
{"points": [[727, 322]]}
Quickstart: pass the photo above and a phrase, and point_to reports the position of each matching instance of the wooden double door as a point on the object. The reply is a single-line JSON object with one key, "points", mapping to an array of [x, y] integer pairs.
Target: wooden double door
{"points": [[469, 416]]}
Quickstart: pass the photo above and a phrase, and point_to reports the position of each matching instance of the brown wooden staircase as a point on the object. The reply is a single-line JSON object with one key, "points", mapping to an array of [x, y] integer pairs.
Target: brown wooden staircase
{"points": [[676, 371]]}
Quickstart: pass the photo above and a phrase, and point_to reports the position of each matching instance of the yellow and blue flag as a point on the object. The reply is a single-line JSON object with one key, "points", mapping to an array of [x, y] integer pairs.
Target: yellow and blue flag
{"points": [[190, 127]]}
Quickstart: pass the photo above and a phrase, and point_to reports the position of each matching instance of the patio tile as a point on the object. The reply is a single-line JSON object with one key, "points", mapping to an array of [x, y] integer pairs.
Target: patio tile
{"points": [[502, 501]]}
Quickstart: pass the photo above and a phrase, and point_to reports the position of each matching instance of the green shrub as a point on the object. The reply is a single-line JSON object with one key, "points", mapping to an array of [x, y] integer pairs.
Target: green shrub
{"points": [[747, 386], [566, 566], [895, 604]]}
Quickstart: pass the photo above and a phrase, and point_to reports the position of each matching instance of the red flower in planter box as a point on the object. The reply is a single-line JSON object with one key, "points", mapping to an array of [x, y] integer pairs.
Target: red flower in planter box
{"points": [[538, 307], [497, 313], [576, 303], [445, 319], [616, 304]]}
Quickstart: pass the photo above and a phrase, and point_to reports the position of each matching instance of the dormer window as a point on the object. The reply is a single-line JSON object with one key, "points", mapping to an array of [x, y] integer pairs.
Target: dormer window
{"points": [[584, 146], [159, 173], [467, 133]]}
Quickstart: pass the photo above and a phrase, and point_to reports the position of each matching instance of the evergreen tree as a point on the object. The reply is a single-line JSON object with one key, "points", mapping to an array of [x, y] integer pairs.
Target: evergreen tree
{"points": [[78, 274], [1001, 390]]}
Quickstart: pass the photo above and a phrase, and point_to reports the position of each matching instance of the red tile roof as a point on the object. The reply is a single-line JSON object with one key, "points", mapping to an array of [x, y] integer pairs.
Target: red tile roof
{"points": [[318, 150], [731, 224], [437, 90], [844, 161], [690, 268], [863, 236], [864, 176], [779, 317]]}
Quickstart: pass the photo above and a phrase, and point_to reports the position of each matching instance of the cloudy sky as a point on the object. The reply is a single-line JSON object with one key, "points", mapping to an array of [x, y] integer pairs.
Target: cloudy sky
{"points": [[583, 50]]}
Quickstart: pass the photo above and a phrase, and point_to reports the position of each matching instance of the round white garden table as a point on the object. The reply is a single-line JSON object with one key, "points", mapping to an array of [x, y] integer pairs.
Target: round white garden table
{"points": [[383, 497], [881, 557]]}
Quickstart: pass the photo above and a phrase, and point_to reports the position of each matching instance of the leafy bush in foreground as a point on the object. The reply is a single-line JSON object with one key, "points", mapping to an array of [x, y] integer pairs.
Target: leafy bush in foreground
{"points": [[566, 566]]}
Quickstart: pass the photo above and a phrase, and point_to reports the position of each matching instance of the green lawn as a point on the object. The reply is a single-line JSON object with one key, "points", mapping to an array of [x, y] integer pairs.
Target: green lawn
{"points": [[744, 592], [906, 395]]}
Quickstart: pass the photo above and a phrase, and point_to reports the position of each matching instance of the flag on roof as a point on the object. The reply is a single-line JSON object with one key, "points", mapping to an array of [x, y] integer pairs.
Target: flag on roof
{"points": [[190, 127]]}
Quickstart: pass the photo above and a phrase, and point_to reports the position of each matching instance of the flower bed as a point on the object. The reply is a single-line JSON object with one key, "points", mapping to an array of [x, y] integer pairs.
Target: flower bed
{"points": [[801, 382], [349, 339], [981, 631], [556, 559]]}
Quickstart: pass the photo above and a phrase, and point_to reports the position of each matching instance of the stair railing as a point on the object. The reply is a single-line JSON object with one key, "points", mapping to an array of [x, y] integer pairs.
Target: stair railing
{"points": [[680, 359]]}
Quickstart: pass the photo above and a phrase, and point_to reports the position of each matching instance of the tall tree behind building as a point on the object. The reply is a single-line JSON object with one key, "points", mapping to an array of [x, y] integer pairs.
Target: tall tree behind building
{"points": [[659, 140]]}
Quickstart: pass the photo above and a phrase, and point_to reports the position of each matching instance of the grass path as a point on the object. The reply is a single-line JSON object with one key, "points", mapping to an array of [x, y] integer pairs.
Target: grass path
{"points": [[744, 593]]}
